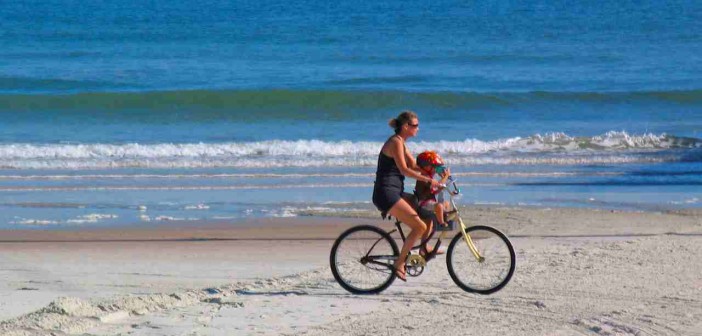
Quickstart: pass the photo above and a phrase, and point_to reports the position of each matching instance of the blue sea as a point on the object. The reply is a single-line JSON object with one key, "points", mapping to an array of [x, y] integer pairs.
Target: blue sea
{"points": [[120, 112]]}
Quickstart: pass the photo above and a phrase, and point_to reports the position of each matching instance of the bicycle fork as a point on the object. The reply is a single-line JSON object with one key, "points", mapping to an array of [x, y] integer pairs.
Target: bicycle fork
{"points": [[469, 242], [466, 236]]}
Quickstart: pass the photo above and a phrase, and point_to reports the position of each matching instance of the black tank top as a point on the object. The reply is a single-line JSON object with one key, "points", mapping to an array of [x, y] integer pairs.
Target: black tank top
{"points": [[387, 174]]}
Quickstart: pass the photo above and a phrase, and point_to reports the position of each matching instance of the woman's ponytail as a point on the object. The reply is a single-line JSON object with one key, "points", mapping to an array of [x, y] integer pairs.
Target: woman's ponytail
{"points": [[402, 119]]}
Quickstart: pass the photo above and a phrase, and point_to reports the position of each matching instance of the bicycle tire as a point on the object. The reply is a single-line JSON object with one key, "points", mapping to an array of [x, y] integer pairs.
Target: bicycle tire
{"points": [[343, 270], [499, 262]]}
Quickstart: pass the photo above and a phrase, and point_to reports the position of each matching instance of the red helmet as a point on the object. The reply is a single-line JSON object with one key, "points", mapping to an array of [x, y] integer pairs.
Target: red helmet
{"points": [[429, 159]]}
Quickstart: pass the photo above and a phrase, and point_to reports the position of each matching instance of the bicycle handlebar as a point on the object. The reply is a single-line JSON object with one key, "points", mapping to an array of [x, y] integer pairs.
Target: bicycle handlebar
{"points": [[456, 190]]}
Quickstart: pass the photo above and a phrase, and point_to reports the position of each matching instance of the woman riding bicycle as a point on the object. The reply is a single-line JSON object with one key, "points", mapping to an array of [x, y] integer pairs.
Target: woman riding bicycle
{"points": [[394, 163]]}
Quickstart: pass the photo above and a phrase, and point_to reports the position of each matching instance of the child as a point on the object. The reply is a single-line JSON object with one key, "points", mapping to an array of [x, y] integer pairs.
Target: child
{"points": [[430, 163]]}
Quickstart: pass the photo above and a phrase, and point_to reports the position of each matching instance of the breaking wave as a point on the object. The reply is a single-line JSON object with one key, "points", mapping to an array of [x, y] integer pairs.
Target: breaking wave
{"points": [[552, 148]]}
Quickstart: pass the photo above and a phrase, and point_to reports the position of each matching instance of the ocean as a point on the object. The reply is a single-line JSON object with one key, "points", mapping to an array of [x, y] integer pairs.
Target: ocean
{"points": [[119, 113]]}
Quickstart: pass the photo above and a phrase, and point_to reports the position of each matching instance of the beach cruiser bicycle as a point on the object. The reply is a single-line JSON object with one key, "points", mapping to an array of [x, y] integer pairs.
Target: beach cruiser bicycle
{"points": [[480, 259]]}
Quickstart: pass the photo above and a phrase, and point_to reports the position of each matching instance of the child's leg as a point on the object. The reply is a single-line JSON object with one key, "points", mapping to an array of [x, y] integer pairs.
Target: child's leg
{"points": [[439, 211], [429, 224]]}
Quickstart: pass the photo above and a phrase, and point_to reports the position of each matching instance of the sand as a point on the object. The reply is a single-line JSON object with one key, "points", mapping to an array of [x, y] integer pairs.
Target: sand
{"points": [[579, 272]]}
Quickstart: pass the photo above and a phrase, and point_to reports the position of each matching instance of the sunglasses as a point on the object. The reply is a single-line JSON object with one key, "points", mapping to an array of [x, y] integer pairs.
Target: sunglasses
{"points": [[413, 125]]}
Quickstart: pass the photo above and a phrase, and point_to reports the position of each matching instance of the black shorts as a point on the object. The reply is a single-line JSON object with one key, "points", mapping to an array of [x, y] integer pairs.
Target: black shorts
{"points": [[385, 198]]}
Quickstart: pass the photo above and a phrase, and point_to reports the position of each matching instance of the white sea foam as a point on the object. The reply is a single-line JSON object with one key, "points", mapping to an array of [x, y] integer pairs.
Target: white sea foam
{"points": [[228, 217], [29, 221], [551, 148], [283, 212], [176, 176], [188, 187], [348, 208], [90, 218], [197, 207], [693, 200], [172, 219], [489, 203], [82, 219]]}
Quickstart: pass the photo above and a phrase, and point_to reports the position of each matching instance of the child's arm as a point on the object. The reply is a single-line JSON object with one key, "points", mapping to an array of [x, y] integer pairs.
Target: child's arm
{"points": [[444, 177], [442, 185], [443, 180]]}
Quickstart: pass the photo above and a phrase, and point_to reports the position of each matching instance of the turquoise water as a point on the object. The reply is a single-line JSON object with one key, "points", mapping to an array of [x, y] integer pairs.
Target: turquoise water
{"points": [[118, 112]]}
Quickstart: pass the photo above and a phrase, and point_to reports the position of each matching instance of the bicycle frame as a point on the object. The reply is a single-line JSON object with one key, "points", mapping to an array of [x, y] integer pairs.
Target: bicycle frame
{"points": [[463, 227], [382, 254]]}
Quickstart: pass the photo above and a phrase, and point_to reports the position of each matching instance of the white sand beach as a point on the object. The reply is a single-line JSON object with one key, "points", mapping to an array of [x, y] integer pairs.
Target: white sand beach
{"points": [[579, 272]]}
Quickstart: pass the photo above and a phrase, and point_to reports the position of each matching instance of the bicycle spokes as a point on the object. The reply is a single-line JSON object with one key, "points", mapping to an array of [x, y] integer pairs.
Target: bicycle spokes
{"points": [[362, 259], [491, 270]]}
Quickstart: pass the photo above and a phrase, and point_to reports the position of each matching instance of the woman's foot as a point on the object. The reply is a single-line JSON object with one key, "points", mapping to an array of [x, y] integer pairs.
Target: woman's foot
{"points": [[400, 274]]}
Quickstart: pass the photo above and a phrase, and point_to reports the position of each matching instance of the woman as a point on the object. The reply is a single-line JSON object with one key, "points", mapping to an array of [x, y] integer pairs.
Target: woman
{"points": [[394, 163]]}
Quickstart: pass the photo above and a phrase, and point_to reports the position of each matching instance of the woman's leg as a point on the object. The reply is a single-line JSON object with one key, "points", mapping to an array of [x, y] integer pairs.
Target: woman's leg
{"points": [[406, 214]]}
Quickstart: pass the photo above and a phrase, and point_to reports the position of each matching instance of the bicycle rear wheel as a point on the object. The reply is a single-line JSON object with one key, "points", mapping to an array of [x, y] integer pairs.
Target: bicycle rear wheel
{"points": [[484, 276], [362, 259]]}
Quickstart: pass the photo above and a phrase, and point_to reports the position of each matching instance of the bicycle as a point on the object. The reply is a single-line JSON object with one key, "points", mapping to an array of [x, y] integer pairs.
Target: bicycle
{"points": [[480, 259]]}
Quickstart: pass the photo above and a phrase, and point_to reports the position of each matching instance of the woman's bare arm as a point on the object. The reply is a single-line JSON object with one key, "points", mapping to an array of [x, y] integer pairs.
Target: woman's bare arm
{"points": [[400, 155], [411, 162]]}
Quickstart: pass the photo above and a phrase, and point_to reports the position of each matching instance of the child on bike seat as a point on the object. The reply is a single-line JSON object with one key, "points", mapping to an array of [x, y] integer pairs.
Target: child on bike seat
{"points": [[430, 164]]}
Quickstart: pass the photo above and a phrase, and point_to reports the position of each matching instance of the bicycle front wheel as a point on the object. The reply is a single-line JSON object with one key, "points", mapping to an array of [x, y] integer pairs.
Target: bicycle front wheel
{"points": [[490, 272], [362, 259]]}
